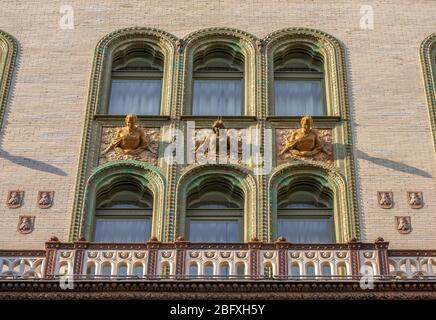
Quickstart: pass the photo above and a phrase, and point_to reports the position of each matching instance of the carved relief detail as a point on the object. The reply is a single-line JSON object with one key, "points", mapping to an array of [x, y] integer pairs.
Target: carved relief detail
{"points": [[131, 142], [415, 199], [208, 143], [45, 199], [15, 199], [385, 199], [302, 144], [26, 224], [403, 224]]}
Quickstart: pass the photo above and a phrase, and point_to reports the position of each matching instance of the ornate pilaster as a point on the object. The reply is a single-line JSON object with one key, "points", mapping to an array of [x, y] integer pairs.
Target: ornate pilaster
{"points": [[79, 255], [354, 248], [383, 262], [181, 247], [282, 247], [51, 248], [254, 247], [153, 248]]}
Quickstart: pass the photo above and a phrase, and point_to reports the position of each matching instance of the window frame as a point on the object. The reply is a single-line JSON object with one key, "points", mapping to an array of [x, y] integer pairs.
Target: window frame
{"points": [[307, 214], [218, 75], [300, 76], [135, 75], [114, 214], [230, 214]]}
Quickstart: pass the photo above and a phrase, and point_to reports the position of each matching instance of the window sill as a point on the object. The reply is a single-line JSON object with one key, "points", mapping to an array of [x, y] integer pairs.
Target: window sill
{"points": [[110, 117], [298, 118], [224, 118]]}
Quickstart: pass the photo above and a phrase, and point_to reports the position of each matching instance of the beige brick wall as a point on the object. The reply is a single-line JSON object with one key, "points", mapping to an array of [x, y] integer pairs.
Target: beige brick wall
{"points": [[41, 135]]}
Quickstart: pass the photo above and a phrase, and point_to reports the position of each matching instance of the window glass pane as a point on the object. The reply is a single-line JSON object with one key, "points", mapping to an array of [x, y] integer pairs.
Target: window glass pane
{"points": [[297, 230], [141, 97], [217, 97], [214, 231], [90, 270], [122, 270], [208, 270], [224, 269], [298, 98], [193, 270], [240, 269], [122, 230], [138, 271], [106, 270], [295, 271], [326, 270], [310, 270]]}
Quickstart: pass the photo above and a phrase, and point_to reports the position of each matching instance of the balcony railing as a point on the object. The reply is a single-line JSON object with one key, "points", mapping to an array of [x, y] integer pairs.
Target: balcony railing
{"points": [[182, 260]]}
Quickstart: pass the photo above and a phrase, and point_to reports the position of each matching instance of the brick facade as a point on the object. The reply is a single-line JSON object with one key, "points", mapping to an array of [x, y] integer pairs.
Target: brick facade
{"points": [[41, 134]]}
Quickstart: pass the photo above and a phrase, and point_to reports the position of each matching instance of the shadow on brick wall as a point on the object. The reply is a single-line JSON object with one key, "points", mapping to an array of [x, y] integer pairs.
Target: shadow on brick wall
{"points": [[32, 164], [398, 166]]}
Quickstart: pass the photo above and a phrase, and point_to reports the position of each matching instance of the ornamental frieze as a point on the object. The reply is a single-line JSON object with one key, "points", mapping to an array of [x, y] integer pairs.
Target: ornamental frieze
{"points": [[304, 143], [210, 144], [131, 142]]}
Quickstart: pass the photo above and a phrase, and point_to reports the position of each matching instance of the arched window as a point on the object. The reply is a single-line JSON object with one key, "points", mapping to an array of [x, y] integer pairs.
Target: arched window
{"points": [[123, 213], [218, 73], [215, 212], [8, 53], [136, 79], [305, 213], [428, 60], [298, 81]]}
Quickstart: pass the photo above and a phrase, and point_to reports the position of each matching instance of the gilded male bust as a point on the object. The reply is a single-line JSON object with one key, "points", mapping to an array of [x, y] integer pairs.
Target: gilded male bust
{"points": [[305, 141], [130, 139]]}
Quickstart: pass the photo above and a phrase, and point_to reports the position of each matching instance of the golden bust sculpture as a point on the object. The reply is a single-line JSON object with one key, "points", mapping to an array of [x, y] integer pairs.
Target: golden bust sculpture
{"points": [[304, 142], [130, 140]]}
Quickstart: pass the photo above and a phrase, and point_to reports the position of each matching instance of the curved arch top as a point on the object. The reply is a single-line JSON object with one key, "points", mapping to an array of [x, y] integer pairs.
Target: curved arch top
{"points": [[8, 55], [236, 175], [346, 216], [104, 175], [240, 41], [428, 61], [334, 64]]}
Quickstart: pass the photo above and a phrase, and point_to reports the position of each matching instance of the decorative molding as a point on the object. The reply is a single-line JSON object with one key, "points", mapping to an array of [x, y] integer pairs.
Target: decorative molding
{"points": [[346, 220], [45, 199], [215, 289], [15, 199], [242, 41], [428, 57], [26, 224], [403, 224], [415, 199], [283, 136], [146, 174], [237, 175], [177, 94], [8, 56], [106, 46], [385, 199], [149, 155]]}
